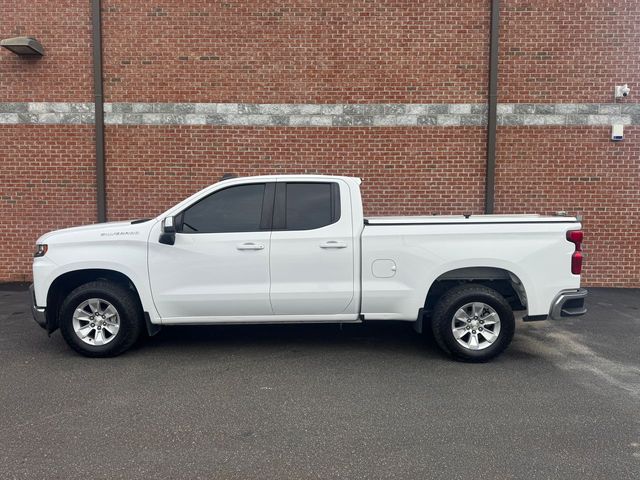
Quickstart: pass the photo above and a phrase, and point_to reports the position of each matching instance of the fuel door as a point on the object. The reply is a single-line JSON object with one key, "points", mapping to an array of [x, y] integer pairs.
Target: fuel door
{"points": [[383, 268]]}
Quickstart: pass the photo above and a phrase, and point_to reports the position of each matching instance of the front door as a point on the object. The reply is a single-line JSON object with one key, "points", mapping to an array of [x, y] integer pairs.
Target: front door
{"points": [[219, 264]]}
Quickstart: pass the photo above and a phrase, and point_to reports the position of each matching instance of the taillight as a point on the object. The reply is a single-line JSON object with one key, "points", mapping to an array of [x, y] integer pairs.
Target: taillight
{"points": [[576, 263], [575, 237]]}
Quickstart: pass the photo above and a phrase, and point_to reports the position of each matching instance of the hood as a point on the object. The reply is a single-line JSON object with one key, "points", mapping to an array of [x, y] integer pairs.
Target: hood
{"points": [[107, 228]]}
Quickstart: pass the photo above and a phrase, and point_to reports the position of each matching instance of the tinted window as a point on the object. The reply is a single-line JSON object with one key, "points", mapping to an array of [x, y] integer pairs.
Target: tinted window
{"points": [[310, 205], [234, 209]]}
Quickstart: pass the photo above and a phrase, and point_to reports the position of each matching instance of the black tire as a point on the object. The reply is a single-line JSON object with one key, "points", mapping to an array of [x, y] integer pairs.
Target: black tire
{"points": [[128, 308], [454, 299]]}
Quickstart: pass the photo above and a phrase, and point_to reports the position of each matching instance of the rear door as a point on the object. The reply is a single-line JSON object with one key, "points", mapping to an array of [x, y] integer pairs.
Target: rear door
{"points": [[312, 250]]}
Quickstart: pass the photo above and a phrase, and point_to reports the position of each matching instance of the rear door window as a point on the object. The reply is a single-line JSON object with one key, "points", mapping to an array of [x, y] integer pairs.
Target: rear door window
{"points": [[307, 206]]}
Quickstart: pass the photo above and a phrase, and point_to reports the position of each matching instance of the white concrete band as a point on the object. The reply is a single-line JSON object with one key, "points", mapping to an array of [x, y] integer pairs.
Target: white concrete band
{"points": [[321, 115]]}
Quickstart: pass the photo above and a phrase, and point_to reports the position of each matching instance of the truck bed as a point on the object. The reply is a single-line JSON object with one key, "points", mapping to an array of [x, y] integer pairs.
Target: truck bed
{"points": [[466, 220], [410, 251]]}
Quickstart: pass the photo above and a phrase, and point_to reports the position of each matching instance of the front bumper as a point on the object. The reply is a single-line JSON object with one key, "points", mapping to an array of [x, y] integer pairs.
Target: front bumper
{"points": [[569, 303], [39, 313]]}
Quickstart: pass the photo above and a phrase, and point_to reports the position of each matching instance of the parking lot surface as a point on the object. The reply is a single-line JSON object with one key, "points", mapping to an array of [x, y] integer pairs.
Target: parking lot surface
{"points": [[321, 401]]}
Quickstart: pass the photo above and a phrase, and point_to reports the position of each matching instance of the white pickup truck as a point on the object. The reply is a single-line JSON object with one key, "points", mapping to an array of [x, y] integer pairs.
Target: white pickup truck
{"points": [[295, 249]]}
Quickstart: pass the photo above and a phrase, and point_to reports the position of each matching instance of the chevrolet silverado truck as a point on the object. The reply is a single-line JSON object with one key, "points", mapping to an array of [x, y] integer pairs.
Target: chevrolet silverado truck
{"points": [[297, 249]]}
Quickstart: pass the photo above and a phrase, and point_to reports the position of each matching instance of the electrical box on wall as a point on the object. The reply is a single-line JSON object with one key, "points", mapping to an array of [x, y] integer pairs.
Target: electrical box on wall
{"points": [[617, 133], [621, 91]]}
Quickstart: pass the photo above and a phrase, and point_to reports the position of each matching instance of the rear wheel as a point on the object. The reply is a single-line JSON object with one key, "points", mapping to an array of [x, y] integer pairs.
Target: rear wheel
{"points": [[473, 323], [100, 319]]}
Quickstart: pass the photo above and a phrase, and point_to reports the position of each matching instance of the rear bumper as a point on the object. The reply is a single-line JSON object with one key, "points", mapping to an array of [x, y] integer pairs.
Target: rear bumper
{"points": [[569, 303], [39, 313]]}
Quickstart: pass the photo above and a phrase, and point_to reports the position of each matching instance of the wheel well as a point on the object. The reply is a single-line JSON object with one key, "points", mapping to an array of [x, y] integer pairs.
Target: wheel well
{"points": [[500, 280], [67, 282]]}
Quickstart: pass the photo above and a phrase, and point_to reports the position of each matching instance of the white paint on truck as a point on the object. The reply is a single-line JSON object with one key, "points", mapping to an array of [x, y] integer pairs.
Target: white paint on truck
{"points": [[276, 253]]}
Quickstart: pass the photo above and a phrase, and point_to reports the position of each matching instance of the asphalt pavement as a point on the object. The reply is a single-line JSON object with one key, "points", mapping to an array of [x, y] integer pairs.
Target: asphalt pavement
{"points": [[321, 402]]}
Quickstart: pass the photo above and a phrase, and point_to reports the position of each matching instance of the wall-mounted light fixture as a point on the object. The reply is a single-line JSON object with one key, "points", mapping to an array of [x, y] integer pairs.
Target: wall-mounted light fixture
{"points": [[23, 46]]}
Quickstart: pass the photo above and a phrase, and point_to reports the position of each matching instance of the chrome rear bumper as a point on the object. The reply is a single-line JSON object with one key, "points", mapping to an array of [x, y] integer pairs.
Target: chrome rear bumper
{"points": [[569, 303]]}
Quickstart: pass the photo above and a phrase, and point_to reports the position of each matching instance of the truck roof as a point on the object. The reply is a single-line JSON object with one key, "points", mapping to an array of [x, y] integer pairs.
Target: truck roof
{"points": [[290, 177]]}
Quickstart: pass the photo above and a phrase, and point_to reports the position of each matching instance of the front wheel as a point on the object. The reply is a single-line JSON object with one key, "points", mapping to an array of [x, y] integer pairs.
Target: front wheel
{"points": [[473, 323], [100, 319]]}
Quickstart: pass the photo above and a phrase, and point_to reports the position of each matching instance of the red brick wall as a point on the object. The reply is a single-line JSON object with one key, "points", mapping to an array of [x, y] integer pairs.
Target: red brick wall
{"points": [[296, 51], [64, 73], [405, 170], [326, 52], [568, 51], [47, 181], [577, 169]]}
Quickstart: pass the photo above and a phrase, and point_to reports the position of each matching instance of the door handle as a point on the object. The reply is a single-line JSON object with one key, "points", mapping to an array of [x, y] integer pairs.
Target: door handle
{"points": [[333, 244], [250, 246]]}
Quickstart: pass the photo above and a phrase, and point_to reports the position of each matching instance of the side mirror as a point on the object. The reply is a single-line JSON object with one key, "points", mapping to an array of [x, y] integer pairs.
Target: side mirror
{"points": [[168, 235]]}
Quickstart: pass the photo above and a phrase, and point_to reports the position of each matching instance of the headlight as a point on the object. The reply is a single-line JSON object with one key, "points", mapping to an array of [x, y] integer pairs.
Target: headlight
{"points": [[41, 249]]}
